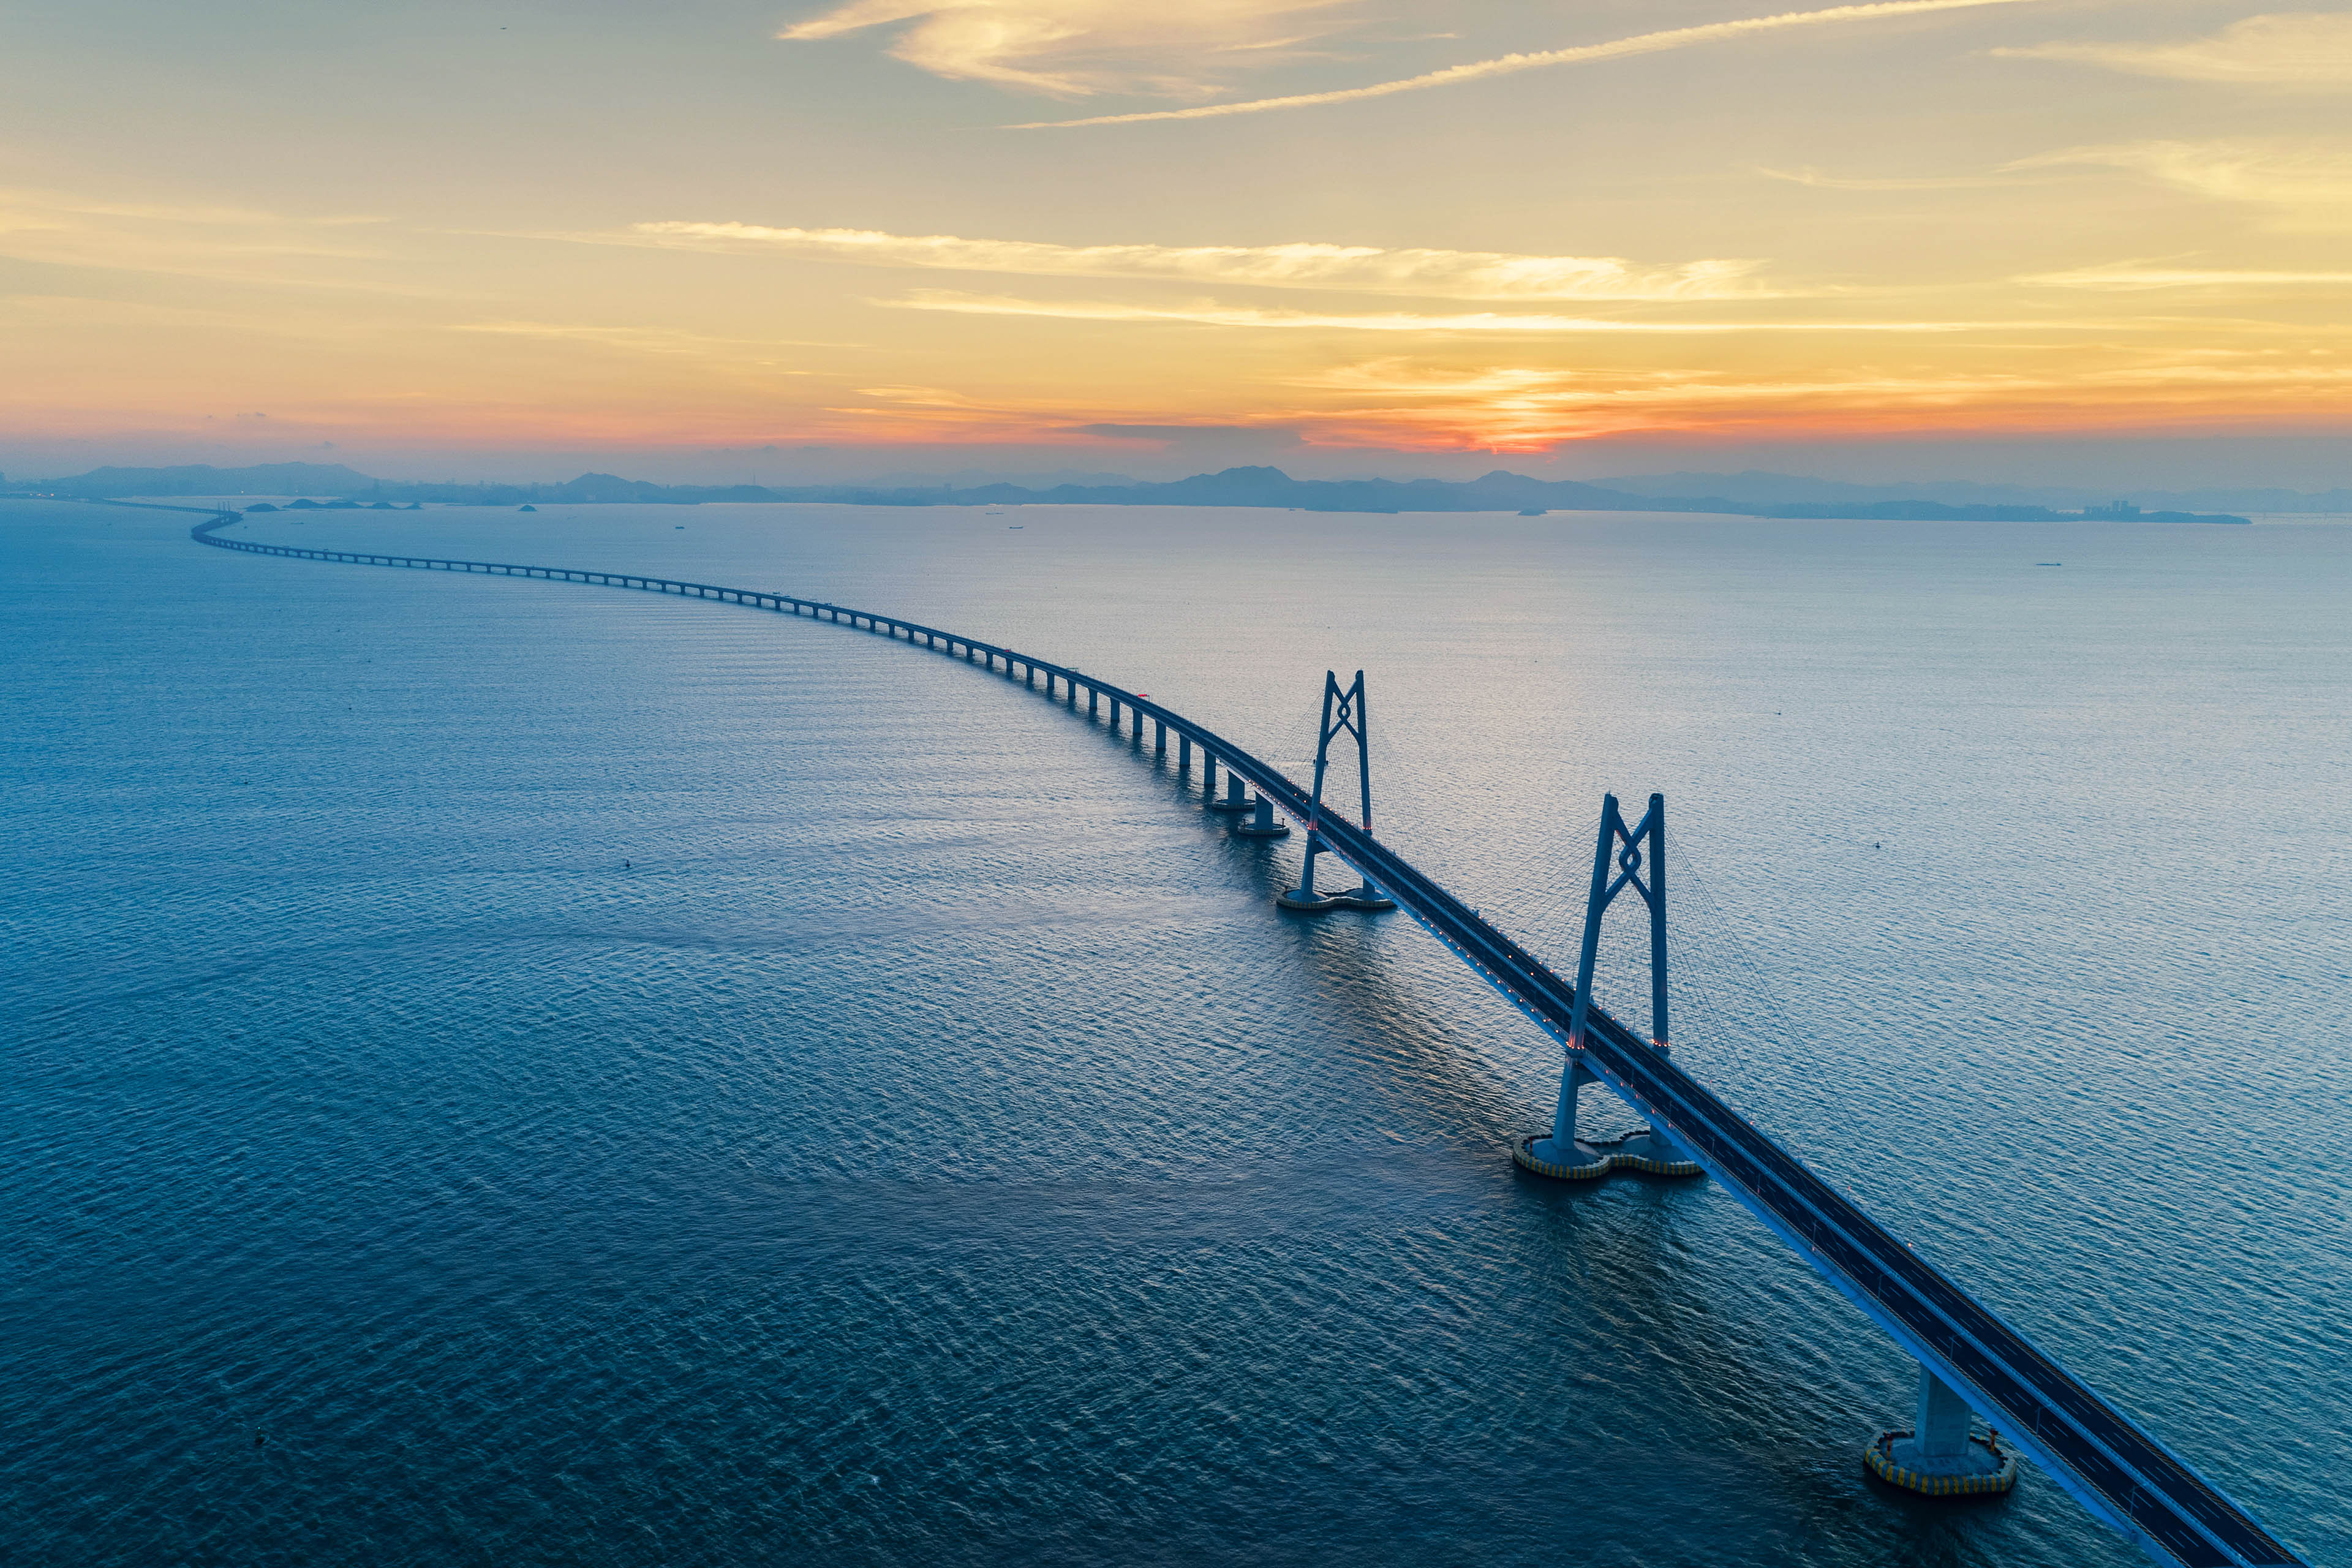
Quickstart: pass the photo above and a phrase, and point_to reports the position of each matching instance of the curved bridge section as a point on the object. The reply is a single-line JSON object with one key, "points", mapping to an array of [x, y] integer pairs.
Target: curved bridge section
{"points": [[2121, 1473]]}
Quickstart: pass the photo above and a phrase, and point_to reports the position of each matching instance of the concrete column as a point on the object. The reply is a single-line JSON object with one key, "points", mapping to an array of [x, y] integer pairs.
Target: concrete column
{"points": [[1572, 1078], [1158, 737], [1114, 712], [1094, 695], [1184, 755], [1940, 1429], [1208, 774]]}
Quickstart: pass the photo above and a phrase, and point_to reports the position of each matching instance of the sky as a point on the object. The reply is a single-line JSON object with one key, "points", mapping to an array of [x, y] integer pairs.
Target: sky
{"points": [[2014, 240]]}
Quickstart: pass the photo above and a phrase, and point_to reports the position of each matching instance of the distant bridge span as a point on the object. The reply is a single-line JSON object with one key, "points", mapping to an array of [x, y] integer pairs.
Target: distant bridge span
{"points": [[2122, 1474]]}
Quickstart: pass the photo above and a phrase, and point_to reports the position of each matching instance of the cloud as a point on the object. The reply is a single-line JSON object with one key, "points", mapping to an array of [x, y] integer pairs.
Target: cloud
{"points": [[233, 245], [1075, 48], [1209, 313], [1179, 432], [1448, 274], [1815, 178], [1517, 407], [2288, 48], [1203, 443], [2308, 183], [642, 340], [2125, 276], [1507, 65]]}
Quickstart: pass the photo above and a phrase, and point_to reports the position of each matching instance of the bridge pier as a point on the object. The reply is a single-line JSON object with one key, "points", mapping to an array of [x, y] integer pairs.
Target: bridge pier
{"points": [[1159, 737], [1232, 799], [1560, 1154], [1651, 1150], [1261, 824], [1183, 756], [1940, 1455]]}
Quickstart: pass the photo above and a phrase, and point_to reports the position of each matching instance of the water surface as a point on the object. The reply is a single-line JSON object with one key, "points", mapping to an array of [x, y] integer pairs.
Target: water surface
{"points": [[513, 1072]]}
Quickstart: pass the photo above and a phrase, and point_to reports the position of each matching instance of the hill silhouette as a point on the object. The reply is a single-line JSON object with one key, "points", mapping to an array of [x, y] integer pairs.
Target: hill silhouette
{"points": [[1498, 490]]}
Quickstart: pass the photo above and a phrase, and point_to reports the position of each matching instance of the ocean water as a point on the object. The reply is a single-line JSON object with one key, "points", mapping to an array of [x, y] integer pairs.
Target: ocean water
{"points": [[510, 1072]]}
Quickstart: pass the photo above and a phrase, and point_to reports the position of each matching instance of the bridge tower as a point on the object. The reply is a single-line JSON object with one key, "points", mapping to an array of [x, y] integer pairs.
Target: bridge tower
{"points": [[1560, 1153], [1343, 712]]}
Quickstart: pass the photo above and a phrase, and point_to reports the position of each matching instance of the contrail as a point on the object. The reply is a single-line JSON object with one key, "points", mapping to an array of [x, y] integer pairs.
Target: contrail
{"points": [[1640, 43]]}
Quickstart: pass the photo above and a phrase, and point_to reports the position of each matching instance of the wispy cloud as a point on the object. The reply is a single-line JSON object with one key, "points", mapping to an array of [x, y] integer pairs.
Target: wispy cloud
{"points": [[1819, 180], [1074, 49], [235, 245], [2132, 275], [1440, 274], [2308, 184], [2293, 49], [1507, 65], [1209, 313], [648, 341], [1518, 407]]}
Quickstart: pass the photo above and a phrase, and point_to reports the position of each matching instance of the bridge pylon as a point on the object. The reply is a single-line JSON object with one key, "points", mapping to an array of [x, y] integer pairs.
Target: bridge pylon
{"points": [[1344, 712], [1560, 1153]]}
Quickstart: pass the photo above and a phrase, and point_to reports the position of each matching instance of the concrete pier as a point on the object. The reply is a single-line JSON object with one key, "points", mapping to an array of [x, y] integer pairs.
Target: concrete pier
{"points": [[1559, 1153], [1232, 799], [1941, 1456], [1262, 823]]}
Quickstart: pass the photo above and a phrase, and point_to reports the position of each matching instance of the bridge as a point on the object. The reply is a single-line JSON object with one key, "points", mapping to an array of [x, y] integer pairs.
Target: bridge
{"points": [[1970, 1359]]}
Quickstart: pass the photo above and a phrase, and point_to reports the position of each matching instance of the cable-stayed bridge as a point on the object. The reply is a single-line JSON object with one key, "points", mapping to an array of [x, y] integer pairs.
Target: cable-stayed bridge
{"points": [[1972, 1361]]}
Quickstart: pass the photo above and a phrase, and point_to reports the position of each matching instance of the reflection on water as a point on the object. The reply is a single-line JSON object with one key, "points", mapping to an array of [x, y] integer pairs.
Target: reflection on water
{"points": [[509, 1071]]}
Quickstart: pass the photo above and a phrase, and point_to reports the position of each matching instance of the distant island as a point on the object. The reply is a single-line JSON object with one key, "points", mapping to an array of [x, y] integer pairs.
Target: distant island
{"points": [[1501, 491]]}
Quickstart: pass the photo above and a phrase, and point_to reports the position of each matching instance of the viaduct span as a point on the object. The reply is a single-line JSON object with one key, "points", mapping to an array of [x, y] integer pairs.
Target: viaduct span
{"points": [[1970, 1359]]}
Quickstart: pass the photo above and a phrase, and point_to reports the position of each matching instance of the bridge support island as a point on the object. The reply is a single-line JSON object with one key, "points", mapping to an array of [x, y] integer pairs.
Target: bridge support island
{"points": [[1942, 1455]]}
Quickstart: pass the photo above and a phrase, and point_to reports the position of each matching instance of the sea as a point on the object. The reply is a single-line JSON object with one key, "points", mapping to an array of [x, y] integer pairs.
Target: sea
{"points": [[510, 1072]]}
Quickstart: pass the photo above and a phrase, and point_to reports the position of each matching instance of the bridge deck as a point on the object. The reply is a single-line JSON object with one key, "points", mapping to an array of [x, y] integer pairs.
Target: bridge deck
{"points": [[2121, 1473]]}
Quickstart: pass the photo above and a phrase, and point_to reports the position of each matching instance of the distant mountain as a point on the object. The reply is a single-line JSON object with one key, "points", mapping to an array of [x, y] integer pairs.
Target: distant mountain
{"points": [[202, 479], [1756, 488], [1501, 491]]}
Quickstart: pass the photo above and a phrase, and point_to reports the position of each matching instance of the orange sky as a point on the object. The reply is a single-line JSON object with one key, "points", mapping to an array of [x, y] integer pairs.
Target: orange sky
{"points": [[1002, 224]]}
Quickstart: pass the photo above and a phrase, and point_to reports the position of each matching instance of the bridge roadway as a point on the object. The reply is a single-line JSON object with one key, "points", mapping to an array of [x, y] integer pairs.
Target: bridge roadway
{"points": [[2122, 1474]]}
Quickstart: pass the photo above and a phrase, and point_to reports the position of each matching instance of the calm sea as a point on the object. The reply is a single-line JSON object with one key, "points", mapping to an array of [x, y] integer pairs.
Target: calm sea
{"points": [[505, 1072]]}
